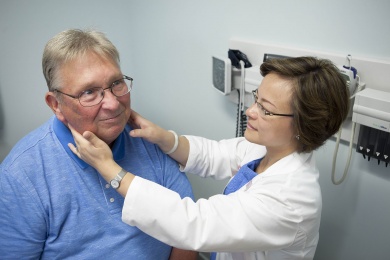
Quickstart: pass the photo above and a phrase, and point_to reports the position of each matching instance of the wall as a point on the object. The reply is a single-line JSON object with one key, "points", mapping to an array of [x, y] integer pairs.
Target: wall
{"points": [[167, 47]]}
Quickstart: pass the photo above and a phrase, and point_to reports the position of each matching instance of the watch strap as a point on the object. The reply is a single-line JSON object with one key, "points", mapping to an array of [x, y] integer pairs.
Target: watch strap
{"points": [[119, 177]]}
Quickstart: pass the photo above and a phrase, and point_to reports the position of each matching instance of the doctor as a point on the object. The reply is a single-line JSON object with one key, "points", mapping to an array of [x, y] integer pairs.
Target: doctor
{"points": [[271, 208]]}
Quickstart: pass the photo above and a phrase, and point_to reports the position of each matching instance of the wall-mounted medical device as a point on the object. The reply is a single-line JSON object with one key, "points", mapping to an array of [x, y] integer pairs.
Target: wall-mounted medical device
{"points": [[222, 69], [372, 111], [237, 57], [271, 56], [372, 108], [240, 63], [350, 74], [222, 78], [350, 77]]}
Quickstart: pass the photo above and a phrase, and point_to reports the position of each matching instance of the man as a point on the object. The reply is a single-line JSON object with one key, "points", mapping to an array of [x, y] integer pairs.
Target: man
{"points": [[52, 204]]}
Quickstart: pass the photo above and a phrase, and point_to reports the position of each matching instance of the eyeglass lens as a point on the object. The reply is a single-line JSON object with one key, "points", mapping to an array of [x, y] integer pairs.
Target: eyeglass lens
{"points": [[263, 110], [254, 92]]}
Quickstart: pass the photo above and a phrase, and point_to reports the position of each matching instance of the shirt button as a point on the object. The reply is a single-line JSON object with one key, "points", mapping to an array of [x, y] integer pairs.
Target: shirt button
{"points": [[112, 200], [107, 186]]}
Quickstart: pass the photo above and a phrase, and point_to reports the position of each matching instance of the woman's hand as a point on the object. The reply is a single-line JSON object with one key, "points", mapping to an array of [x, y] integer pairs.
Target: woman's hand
{"points": [[151, 132], [98, 154], [157, 135], [91, 149]]}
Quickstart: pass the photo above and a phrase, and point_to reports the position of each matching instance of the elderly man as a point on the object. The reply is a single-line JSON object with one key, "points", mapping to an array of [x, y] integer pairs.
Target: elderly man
{"points": [[52, 204]]}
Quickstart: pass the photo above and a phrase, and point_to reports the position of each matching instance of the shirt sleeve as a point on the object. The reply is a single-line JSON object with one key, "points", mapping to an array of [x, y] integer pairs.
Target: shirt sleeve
{"points": [[22, 222], [220, 159], [241, 221]]}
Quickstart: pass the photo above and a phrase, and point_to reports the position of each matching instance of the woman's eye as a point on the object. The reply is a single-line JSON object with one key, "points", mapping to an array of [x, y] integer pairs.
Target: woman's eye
{"points": [[263, 109]]}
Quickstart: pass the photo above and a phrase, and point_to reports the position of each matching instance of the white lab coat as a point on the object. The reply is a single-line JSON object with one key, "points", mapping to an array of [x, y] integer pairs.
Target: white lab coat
{"points": [[275, 216]]}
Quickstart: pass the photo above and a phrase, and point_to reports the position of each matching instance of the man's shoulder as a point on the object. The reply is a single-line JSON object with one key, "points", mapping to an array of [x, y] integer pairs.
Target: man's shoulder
{"points": [[141, 144], [149, 162], [29, 145]]}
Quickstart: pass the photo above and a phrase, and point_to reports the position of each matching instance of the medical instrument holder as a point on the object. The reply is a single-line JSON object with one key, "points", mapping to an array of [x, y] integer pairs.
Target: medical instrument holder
{"points": [[372, 111]]}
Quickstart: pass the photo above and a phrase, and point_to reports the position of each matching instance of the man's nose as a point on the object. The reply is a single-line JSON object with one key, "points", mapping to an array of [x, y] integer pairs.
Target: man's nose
{"points": [[109, 99]]}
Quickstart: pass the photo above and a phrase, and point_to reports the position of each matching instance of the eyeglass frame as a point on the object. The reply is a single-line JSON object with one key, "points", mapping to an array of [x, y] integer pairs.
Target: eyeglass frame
{"points": [[103, 91], [265, 111]]}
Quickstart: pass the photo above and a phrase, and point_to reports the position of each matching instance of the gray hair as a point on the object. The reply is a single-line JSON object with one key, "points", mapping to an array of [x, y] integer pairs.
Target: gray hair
{"points": [[71, 44]]}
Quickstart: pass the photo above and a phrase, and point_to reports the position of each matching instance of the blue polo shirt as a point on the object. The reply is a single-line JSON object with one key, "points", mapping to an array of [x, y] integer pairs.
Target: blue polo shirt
{"points": [[55, 206]]}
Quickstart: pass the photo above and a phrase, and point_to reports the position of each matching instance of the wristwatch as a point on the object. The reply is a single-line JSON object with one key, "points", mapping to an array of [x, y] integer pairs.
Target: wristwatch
{"points": [[116, 182]]}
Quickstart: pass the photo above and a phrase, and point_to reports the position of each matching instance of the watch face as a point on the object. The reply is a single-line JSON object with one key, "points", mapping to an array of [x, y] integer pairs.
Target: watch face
{"points": [[115, 184]]}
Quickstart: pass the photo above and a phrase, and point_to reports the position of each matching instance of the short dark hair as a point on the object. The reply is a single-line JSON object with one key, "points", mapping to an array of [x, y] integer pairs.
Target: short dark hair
{"points": [[320, 97]]}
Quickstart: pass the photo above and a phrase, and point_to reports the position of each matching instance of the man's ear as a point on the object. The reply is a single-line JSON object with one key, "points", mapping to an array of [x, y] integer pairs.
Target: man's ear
{"points": [[52, 102]]}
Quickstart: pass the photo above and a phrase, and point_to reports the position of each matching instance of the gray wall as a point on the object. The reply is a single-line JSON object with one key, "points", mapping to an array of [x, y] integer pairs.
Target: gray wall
{"points": [[167, 47]]}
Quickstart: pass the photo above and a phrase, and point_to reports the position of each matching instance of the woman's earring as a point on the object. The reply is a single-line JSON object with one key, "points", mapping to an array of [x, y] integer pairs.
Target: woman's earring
{"points": [[297, 137]]}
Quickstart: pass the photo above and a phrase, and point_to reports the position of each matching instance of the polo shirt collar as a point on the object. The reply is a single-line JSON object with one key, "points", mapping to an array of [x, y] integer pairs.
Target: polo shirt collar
{"points": [[65, 136]]}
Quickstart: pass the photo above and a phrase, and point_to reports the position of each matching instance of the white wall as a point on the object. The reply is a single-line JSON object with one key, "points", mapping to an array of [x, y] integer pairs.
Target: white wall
{"points": [[167, 47]]}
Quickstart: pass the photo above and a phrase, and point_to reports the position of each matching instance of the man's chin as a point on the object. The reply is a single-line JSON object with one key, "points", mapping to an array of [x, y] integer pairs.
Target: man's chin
{"points": [[110, 135]]}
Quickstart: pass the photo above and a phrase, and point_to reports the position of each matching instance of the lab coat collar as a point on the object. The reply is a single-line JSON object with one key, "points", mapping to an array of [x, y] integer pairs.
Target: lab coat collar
{"points": [[289, 164]]}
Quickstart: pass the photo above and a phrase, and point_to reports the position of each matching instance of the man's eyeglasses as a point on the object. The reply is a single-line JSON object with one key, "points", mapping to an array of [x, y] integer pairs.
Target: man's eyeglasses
{"points": [[265, 111], [93, 96]]}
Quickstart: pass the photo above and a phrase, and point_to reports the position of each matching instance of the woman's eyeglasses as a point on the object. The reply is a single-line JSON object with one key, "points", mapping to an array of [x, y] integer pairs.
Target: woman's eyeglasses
{"points": [[265, 111]]}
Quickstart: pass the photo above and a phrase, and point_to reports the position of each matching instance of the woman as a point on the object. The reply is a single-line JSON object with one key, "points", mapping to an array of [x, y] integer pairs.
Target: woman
{"points": [[271, 207]]}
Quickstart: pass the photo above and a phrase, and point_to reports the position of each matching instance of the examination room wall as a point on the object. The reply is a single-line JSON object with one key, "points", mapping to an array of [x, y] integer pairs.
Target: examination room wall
{"points": [[167, 47]]}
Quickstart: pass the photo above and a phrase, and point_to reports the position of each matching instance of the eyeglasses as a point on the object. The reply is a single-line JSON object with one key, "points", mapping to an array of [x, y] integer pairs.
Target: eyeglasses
{"points": [[265, 111], [93, 96]]}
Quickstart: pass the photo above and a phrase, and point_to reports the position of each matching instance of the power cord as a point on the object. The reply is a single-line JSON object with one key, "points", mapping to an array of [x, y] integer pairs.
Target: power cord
{"points": [[359, 88], [241, 117], [238, 115], [349, 155]]}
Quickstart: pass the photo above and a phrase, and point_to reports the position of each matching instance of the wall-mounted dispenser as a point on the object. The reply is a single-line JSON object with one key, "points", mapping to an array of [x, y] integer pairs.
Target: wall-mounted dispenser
{"points": [[372, 111]]}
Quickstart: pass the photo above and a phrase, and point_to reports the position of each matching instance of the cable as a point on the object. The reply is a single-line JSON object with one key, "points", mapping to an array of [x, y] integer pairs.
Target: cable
{"points": [[238, 114], [243, 122], [242, 87], [241, 117], [349, 155], [360, 87], [242, 112]]}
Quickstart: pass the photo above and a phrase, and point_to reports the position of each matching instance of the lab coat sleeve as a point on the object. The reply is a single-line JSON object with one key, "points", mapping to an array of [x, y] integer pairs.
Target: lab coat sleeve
{"points": [[241, 221], [220, 159]]}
